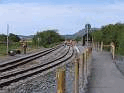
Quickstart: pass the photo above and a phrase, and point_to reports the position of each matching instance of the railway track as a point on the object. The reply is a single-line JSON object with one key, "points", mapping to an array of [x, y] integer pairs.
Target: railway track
{"points": [[23, 60], [37, 62], [10, 78]]}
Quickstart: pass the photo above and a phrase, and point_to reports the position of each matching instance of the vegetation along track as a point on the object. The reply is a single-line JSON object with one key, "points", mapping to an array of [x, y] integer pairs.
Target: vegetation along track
{"points": [[35, 70], [20, 61]]}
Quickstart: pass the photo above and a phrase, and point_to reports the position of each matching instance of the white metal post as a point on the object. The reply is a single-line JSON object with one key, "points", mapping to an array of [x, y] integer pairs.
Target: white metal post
{"points": [[7, 38], [87, 36]]}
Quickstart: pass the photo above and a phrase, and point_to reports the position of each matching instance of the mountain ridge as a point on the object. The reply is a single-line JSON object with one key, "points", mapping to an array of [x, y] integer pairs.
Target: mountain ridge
{"points": [[80, 33]]}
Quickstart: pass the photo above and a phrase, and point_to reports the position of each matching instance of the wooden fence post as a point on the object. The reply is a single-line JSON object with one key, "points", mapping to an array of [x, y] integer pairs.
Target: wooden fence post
{"points": [[83, 59], [81, 70], [86, 59], [113, 51], [93, 45], [98, 46], [111, 48], [89, 53], [101, 46], [85, 66], [76, 85], [60, 80]]}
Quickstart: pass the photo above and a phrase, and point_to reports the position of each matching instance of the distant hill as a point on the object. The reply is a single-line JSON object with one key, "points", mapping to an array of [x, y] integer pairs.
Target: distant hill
{"points": [[80, 33], [26, 37], [67, 36]]}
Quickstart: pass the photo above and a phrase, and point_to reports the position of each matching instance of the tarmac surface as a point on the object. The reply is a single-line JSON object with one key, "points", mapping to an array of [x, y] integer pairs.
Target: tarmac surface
{"points": [[105, 77]]}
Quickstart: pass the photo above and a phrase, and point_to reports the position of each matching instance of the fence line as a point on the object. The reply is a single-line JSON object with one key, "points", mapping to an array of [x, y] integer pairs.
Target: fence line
{"points": [[60, 80], [82, 69], [97, 47]]}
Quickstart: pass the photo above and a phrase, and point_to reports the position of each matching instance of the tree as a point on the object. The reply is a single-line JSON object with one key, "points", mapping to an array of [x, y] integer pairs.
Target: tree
{"points": [[3, 38], [14, 38], [46, 38], [112, 33], [97, 35], [78, 39]]}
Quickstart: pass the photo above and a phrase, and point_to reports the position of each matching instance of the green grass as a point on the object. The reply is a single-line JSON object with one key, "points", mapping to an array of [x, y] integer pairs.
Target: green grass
{"points": [[3, 48], [16, 45]]}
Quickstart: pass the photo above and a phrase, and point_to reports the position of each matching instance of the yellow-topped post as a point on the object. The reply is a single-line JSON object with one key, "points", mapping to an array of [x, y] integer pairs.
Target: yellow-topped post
{"points": [[76, 84], [60, 80]]}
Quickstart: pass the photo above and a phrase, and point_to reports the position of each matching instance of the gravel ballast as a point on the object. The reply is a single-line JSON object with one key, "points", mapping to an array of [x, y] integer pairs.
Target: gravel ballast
{"points": [[46, 83]]}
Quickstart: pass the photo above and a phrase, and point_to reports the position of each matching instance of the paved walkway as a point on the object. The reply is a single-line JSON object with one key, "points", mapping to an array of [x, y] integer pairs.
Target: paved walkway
{"points": [[105, 77]]}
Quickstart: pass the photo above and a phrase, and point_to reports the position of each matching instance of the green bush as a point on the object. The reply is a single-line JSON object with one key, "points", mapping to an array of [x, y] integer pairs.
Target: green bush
{"points": [[111, 33]]}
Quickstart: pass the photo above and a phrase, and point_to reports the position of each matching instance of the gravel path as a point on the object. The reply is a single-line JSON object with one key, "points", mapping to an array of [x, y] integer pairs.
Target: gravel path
{"points": [[105, 77], [120, 64]]}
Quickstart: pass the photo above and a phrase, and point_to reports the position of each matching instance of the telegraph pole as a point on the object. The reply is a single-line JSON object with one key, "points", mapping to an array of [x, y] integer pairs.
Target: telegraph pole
{"points": [[7, 38]]}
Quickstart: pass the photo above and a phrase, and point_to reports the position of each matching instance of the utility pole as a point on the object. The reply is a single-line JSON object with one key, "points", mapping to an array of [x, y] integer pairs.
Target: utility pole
{"points": [[7, 38]]}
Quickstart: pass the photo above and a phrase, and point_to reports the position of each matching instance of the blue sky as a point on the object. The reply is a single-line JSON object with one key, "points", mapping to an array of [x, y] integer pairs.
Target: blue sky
{"points": [[26, 17]]}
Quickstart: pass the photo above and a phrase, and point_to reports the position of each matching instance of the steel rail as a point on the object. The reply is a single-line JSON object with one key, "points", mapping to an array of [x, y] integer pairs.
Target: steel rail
{"points": [[26, 60], [24, 70], [28, 56], [39, 69]]}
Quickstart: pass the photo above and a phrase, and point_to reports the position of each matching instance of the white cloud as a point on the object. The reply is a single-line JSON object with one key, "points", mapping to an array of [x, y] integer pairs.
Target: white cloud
{"points": [[68, 19]]}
